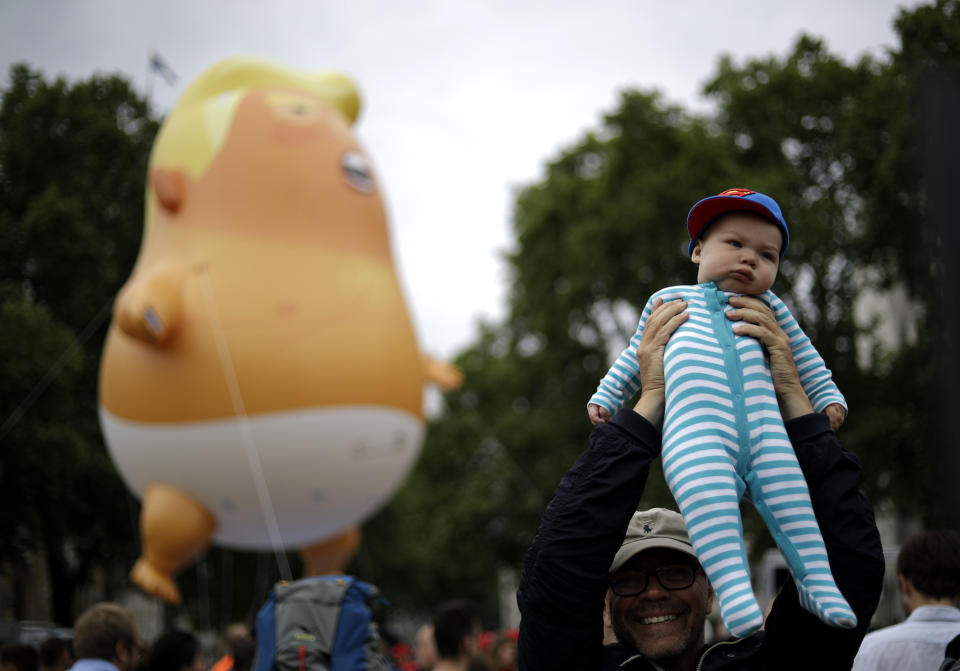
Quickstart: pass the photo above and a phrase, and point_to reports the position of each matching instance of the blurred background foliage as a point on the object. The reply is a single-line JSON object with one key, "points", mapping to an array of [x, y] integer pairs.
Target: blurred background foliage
{"points": [[840, 145]]}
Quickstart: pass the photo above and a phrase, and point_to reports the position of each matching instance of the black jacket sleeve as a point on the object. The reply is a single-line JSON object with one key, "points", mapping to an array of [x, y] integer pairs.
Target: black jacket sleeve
{"points": [[853, 545], [564, 578]]}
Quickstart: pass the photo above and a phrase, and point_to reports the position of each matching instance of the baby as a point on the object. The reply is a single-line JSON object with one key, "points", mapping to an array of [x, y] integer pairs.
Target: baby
{"points": [[722, 430]]}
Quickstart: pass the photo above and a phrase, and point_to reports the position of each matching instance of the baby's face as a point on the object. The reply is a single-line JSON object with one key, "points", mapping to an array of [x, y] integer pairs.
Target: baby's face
{"points": [[740, 252]]}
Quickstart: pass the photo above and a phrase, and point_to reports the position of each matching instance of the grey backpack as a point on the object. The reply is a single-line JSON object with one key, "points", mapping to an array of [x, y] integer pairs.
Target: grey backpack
{"points": [[321, 623]]}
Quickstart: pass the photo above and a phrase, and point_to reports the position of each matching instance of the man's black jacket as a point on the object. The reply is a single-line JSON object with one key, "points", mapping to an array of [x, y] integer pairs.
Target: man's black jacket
{"points": [[564, 579]]}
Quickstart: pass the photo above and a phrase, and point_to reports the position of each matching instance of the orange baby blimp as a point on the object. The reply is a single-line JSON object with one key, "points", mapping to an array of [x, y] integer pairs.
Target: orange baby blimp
{"points": [[261, 383]]}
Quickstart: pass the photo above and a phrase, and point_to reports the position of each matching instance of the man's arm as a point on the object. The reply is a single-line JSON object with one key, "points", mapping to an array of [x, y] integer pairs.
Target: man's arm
{"points": [[564, 579]]}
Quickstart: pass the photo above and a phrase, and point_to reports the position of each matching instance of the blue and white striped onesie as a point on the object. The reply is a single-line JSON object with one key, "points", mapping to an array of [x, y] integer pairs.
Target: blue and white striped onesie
{"points": [[723, 433]]}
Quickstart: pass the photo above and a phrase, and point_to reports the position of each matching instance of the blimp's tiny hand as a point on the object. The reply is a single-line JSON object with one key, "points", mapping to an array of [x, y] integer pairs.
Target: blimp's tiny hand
{"points": [[445, 375], [149, 309], [140, 316]]}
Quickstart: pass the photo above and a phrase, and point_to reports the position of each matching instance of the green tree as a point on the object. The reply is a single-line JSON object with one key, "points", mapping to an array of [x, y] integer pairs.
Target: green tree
{"points": [[72, 165], [836, 143], [913, 440]]}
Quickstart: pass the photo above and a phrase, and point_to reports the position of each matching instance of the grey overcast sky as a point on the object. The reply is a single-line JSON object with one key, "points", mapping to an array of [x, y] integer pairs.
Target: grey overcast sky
{"points": [[463, 101]]}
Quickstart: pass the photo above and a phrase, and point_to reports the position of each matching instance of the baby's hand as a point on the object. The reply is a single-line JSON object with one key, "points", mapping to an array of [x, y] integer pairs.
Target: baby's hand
{"points": [[598, 414], [836, 414]]}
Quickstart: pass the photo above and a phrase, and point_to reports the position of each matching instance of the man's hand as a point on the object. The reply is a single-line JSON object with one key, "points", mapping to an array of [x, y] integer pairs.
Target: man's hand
{"points": [[598, 414], [662, 322], [836, 414], [762, 325]]}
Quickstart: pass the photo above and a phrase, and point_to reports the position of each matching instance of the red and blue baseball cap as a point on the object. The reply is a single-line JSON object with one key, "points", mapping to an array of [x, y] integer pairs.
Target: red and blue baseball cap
{"points": [[704, 212]]}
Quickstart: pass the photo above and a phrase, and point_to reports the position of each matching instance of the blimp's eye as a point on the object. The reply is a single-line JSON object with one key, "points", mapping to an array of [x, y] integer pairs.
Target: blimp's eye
{"points": [[293, 107], [356, 170]]}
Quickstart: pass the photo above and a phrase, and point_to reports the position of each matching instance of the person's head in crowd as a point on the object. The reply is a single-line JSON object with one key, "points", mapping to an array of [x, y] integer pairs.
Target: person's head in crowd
{"points": [[425, 648], [236, 633], [502, 655], [235, 636], [244, 649], [108, 631], [175, 650], [455, 630], [928, 569], [56, 654], [660, 595], [19, 657]]}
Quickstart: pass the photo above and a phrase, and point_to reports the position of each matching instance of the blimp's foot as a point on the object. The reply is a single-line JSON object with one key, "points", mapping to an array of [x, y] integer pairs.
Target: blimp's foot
{"points": [[155, 582], [175, 529], [332, 555]]}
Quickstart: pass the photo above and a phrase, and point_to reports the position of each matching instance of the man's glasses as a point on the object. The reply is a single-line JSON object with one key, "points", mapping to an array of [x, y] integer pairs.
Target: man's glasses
{"points": [[674, 576]]}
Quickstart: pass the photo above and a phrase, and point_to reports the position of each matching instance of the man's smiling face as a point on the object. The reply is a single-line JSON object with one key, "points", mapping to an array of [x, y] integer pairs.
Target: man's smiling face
{"points": [[662, 624]]}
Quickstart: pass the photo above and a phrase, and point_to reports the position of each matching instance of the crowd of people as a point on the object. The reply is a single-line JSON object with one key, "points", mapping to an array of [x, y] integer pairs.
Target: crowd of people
{"points": [[464, 645], [107, 638]]}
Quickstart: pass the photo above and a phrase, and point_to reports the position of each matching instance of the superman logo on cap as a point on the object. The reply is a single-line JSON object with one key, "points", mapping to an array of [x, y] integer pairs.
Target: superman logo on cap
{"points": [[737, 192]]}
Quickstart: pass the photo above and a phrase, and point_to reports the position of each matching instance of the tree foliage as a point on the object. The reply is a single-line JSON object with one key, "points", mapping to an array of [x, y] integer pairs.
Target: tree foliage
{"points": [[73, 160], [72, 165], [837, 144]]}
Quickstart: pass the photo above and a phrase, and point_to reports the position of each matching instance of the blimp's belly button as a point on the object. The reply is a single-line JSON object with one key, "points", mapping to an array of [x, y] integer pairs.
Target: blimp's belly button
{"points": [[287, 309]]}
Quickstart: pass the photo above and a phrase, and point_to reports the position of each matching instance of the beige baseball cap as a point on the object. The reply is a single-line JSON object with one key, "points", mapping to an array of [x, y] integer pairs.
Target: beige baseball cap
{"points": [[654, 528]]}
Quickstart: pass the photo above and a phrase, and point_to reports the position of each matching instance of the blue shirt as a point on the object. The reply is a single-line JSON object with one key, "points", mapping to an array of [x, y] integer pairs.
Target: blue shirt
{"points": [[93, 665], [917, 644]]}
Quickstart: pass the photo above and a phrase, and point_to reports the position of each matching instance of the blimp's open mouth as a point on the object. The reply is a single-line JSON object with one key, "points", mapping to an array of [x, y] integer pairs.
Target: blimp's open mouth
{"points": [[323, 469]]}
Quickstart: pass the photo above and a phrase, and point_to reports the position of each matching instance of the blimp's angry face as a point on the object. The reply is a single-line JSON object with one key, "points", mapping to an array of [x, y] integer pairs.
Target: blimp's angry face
{"points": [[289, 169], [279, 249]]}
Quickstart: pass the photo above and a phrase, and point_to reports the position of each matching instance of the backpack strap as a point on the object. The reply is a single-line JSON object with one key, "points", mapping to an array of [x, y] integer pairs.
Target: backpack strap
{"points": [[265, 631], [357, 630]]}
